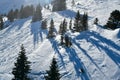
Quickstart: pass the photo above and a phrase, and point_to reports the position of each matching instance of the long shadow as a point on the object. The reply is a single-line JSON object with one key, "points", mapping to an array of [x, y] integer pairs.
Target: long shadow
{"points": [[55, 47], [105, 40], [89, 57], [112, 54], [34, 75], [36, 32], [41, 35], [17, 23], [118, 35], [67, 13], [100, 26], [77, 64]]}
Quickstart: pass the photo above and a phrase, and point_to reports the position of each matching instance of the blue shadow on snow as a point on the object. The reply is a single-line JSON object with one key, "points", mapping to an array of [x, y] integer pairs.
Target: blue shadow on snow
{"points": [[115, 56], [77, 64]]}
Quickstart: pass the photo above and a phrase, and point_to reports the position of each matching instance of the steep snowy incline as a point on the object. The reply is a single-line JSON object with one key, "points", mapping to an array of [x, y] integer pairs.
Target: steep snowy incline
{"points": [[94, 54]]}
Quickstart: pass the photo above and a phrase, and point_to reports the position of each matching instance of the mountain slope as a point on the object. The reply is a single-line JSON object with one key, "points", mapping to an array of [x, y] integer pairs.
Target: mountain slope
{"points": [[7, 5], [96, 51]]}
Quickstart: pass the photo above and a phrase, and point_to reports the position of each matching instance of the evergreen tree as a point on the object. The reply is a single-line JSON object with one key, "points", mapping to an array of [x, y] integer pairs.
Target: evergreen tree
{"points": [[84, 22], [67, 41], [62, 40], [55, 5], [60, 28], [22, 67], [21, 14], [81, 22], [30, 10], [11, 15], [63, 5], [16, 14], [70, 24], [37, 14], [59, 5], [96, 21], [51, 29], [1, 23], [53, 73], [114, 20], [63, 27], [44, 24], [77, 22], [115, 15], [26, 11]]}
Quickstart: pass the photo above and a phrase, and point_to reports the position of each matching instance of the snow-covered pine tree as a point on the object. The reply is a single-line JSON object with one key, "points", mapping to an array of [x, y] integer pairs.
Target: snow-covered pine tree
{"points": [[60, 28], [67, 41], [114, 20], [1, 22], [44, 24], [77, 22], [22, 66], [53, 73], [70, 24], [84, 22], [64, 26], [62, 40], [51, 29]]}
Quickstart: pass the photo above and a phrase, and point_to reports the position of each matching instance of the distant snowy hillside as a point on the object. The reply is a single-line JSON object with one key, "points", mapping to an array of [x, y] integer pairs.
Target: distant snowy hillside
{"points": [[96, 51], [6, 5]]}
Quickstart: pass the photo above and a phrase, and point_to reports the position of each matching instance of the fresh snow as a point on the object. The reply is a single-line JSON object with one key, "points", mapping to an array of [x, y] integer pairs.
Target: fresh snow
{"points": [[96, 51]]}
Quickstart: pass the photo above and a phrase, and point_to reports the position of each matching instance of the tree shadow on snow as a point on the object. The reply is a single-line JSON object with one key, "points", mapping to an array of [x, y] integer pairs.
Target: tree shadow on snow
{"points": [[67, 13], [17, 23], [118, 36], [55, 47], [78, 65], [88, 56], [37, 32], [102, 44]]}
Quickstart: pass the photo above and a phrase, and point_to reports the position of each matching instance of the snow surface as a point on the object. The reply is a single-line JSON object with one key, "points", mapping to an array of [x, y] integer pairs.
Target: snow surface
{"points": [[96, 51]]}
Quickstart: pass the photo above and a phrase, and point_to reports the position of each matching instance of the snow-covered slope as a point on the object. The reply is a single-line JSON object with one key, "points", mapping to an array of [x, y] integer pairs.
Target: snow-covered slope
{"points": [[97, 50], [7, 5]]}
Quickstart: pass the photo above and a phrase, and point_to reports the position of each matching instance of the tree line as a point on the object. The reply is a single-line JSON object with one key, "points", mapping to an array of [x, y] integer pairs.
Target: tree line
{"points": [[30, 10], [1, 22], [24, 12]]}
